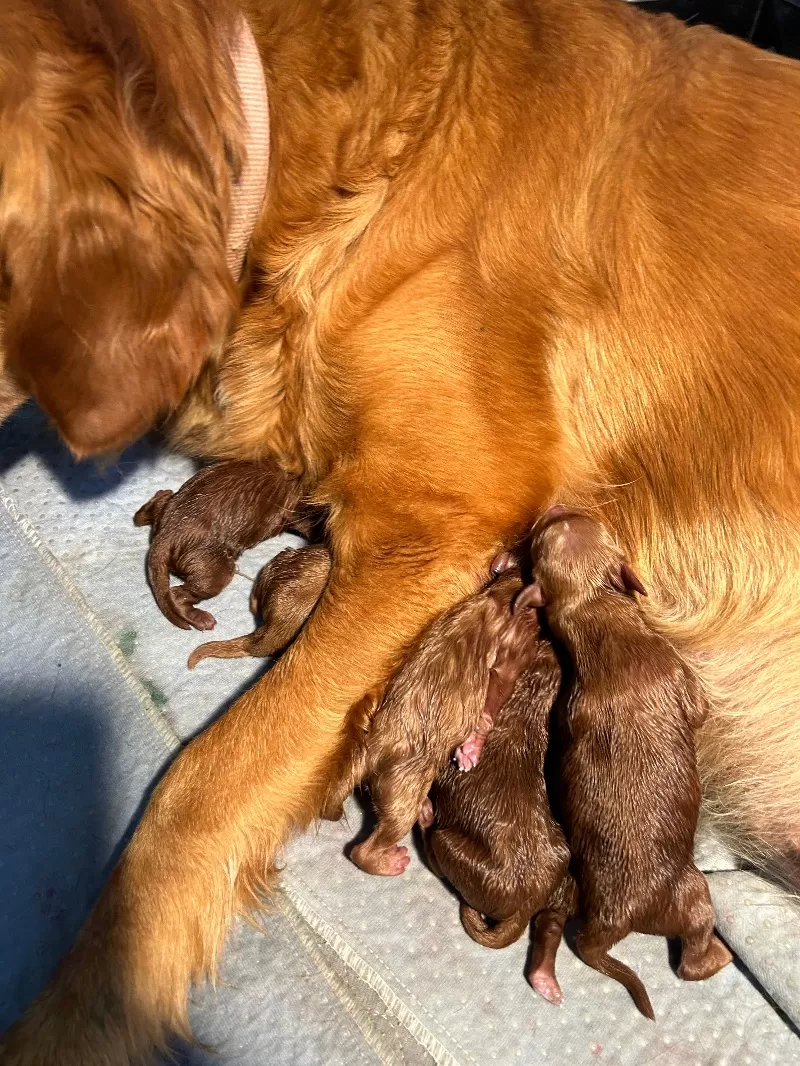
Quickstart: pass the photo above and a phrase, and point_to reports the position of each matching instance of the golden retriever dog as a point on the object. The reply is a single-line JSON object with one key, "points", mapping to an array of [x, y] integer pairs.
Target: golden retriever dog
{"points": [[510, 253]]}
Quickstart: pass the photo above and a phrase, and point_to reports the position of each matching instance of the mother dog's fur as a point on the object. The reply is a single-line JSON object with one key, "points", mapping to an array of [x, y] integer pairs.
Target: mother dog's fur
{"points": [[512, 252]]}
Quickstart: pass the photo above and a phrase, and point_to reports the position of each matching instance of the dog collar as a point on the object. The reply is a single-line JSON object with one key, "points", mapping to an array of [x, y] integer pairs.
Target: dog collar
{"points": [[248, 192]]}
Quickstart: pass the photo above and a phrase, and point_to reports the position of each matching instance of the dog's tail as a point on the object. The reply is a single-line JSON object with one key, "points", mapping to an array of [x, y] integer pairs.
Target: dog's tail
{"points": [[499, 935], [600, 960]]}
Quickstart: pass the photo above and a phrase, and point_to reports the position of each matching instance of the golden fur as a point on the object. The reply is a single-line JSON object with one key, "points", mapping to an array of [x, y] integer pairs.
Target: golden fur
{"points": [[114, 206], [512, 252]]}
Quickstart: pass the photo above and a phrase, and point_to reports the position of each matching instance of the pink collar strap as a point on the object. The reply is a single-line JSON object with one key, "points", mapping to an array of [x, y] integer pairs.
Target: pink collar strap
{"points": [[249, 192]]}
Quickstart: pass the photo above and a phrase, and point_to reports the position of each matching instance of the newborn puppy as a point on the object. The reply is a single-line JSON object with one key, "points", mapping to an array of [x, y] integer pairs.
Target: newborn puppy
{"points": [[433, 702], [493, 836], [631, 793], [285, 593], [200, 531]]}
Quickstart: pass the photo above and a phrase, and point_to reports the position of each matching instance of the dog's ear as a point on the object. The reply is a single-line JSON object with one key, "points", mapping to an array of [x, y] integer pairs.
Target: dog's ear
{"points": [[113, 215], [530, 598], [628, 580], [108, 336]]}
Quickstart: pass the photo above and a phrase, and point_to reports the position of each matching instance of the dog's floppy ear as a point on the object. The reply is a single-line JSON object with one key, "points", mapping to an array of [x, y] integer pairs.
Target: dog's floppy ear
{"points": [[107, 336], [530, 598], [113, 212], [628, 580]]}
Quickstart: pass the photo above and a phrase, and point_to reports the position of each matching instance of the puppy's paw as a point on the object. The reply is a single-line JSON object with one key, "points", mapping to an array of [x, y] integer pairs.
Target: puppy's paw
{"points": [[388, 862], [201, 620], [183, 604], [467, 755], [545, 983], [695, 967], [503, 562], [425, 820]]}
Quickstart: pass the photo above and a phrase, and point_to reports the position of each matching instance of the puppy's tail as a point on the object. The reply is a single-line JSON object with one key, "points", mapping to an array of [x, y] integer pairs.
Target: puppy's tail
{"points": [[600, 960], [236, 648], [499, 935]]}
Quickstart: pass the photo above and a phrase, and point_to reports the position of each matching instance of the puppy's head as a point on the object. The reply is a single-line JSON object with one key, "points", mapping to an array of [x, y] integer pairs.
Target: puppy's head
{"points": [[113, 214], [271, 582], [291, 583], [574, 557]]}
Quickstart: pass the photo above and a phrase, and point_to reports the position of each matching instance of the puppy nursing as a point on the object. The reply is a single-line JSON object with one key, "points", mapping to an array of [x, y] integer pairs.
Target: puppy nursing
{"points": [[482, 689], [433, 703], [494, 837], [630, 792]]}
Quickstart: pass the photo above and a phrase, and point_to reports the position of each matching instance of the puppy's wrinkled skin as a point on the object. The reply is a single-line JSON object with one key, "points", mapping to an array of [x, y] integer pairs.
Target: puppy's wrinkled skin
{"points": [[284, 594], [201, 530], [510, 252], [630, 788], [433, 702], [493, 836]]}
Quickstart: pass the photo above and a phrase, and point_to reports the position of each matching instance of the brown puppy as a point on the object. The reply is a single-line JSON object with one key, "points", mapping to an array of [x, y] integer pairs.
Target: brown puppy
{"points": [[284, 594], [201, 530], [493, 836], [631, 792], [432, 703]]}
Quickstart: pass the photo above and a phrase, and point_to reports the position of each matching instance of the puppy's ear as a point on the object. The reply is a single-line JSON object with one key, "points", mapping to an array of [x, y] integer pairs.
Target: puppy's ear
{"points": [[529, 599], [628, 580], [150, 512]]}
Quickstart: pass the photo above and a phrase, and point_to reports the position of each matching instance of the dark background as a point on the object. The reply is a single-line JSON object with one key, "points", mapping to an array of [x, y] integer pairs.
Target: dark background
{"points": [[770, 24]]}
